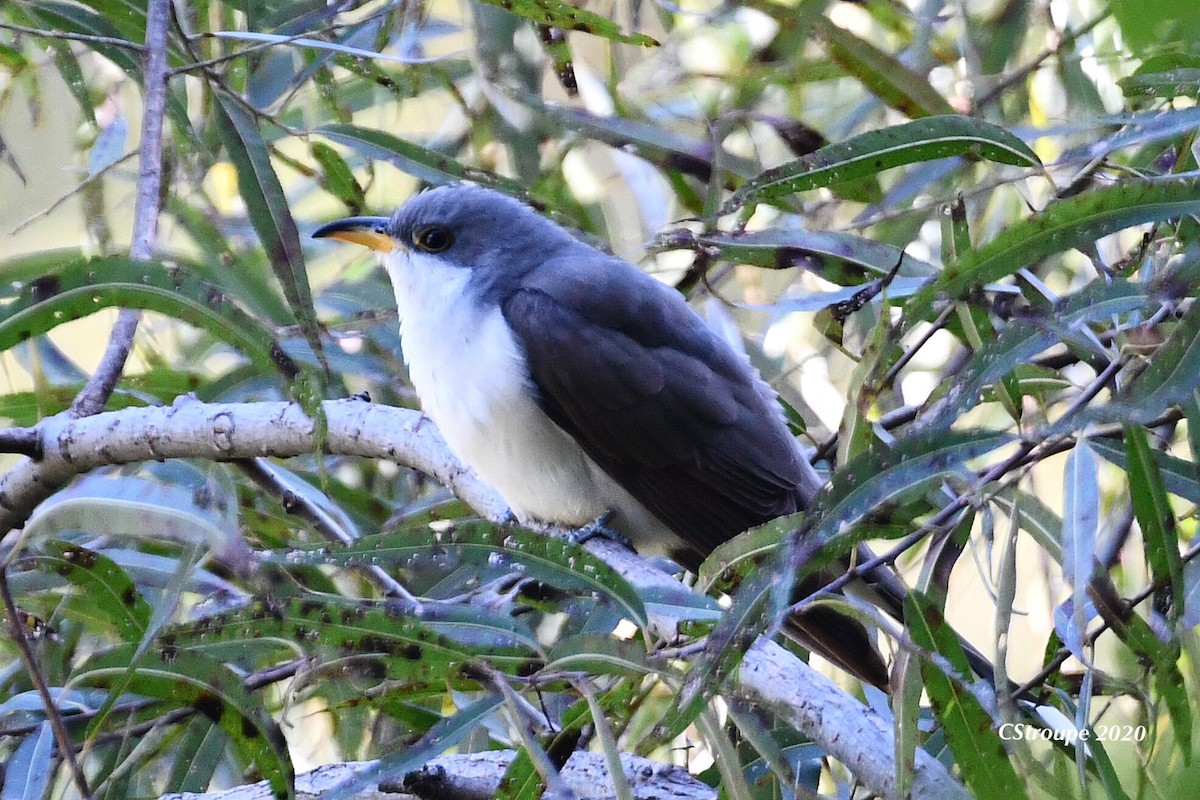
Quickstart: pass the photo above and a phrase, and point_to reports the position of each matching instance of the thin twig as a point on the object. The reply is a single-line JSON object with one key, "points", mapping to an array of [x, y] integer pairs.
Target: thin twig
{"points": [[88, 38], [99, 387], [61, 737]]}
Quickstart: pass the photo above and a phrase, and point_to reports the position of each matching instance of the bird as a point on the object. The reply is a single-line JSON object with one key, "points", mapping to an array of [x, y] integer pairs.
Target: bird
{"points": [[582, 388]]}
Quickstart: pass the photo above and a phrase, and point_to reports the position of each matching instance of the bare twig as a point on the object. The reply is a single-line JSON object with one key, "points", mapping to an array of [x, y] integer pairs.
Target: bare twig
{"points": [[99, 387], [17, 630], [87, 38]]}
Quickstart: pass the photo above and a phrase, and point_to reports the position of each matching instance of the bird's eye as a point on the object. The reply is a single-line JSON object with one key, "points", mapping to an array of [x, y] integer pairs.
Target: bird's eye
{"points": [[432, 238]]}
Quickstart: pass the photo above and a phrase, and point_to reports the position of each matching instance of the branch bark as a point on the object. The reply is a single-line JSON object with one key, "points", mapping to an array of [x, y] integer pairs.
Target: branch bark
{"points": [[477, 776], [769, 675]]}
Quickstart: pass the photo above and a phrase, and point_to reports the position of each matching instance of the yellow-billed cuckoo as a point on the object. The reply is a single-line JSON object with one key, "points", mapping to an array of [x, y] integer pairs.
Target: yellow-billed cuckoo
{"points": [[576, 384]]}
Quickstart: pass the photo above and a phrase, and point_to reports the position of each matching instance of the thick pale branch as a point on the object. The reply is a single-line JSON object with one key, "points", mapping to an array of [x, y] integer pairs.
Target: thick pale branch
{"points": [[477, 776], [769, 675]]}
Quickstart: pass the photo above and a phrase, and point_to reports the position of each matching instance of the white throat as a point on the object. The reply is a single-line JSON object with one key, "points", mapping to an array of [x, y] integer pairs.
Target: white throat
{"points": [[473, 381]]}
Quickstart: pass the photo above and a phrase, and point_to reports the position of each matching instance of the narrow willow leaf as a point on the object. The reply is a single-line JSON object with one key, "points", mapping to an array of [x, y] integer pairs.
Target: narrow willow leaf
{"points": [[723, 652], [1179, 475], [557, 561], [876, 478], [1154, 515], [106, 593], [80, 288], [560, 14], [659, 145], [1061, 226], [340, 180], [427, 647], [875, 151], [1025, 338], [1167, 85], [420, 162], [181, 678], [977, 747], [883, 74], [29, 768], [270, 215], [599, 654], [1081, 524], [840, 258], [194, 511], [196, 756], [318, 44]]}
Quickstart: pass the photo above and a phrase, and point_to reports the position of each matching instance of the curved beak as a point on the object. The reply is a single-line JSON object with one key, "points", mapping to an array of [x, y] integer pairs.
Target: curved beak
{"points": [[368, 231]]}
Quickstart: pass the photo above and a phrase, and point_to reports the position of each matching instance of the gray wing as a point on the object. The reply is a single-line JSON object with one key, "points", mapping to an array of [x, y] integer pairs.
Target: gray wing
{"points": [[656, 398]]}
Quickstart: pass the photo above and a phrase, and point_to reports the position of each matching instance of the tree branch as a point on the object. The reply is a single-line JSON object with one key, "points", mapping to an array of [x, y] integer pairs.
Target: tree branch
{"points": [[769, 675], [477, 776]]}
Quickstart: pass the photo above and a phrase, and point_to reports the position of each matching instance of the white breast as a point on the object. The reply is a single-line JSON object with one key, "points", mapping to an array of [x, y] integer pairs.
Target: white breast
{"points": [[473, 382]]}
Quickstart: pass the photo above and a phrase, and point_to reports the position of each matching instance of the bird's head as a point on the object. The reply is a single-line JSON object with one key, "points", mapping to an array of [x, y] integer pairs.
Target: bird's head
{"points": [[461, 226]]}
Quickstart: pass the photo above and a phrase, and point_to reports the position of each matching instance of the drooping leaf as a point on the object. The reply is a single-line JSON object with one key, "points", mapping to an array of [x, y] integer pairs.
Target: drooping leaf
{"points": [[181, 678], [442, 736], [560, 14], [79, 288], [29, 768], [875, 151], [883, 74], [1154, 515], [104, 593], [423, 163], [978, 750], [270, 215], [1063, 225]]}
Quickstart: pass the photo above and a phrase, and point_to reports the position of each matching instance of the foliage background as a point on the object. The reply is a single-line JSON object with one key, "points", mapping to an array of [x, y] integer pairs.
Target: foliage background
{"points": [[278, 118]]}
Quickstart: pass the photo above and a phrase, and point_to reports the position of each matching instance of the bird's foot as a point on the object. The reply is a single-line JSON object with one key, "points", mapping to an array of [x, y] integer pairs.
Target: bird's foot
{"points": [[599, 527]]}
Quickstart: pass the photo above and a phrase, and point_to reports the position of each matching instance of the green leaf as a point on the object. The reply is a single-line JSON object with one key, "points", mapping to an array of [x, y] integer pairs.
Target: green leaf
{"points": [[559, 14], [196, 756], [1154, 514], [884, 75], [338, 177], [1061, 226], [429, 647], [270, 215], [1022, 339], [1167, 85], [420, 162], [840, 258], [977, 747], [104, 593], [1178, 475], [557, 561], [876, 151], [81, 288], [181, 678], [887, 475], [723, 652], [599, 654]]}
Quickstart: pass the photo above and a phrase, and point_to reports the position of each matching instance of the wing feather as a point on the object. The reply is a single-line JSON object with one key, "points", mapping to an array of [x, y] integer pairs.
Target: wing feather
{"points": [[656, 398]]}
